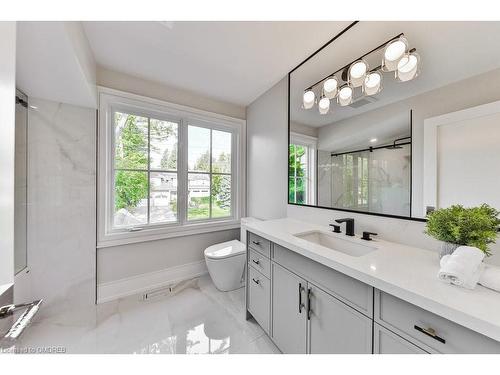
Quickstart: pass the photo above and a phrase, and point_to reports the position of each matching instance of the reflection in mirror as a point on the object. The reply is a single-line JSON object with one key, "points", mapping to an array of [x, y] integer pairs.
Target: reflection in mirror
{"points": [[20, 185], [377, 121]]}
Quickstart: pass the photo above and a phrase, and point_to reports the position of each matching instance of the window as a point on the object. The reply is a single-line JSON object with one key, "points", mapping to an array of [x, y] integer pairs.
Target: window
{"points": [[301, 169], [145, 170], [209, 173], [165, 170], [297, 176]]}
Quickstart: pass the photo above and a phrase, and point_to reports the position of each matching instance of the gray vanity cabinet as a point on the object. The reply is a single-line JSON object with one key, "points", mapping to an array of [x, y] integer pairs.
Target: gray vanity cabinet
{"points": [[289, 322], [335, 327], [308, 319]]}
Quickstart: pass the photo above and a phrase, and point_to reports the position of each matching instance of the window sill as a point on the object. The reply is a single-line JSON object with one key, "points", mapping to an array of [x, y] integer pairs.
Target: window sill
{"points": [[124, 238]]}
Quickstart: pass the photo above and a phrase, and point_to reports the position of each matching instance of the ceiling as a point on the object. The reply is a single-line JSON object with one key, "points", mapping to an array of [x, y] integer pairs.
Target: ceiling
{"points": [[233, 62], [449, 51]]}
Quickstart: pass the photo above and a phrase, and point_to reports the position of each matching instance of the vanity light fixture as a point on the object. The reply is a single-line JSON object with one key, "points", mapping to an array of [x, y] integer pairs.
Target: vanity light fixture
{"points": [[346, 83], [324, 105], [308, 99], [408, 67], [345, 95], [330, 87], [357, 73], [372, 83]]}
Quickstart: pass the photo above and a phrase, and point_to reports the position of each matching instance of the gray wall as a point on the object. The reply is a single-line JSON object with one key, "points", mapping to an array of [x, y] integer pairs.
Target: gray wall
{"points": [[120, 262], [135, 85], [7, 142], [267, 164]]}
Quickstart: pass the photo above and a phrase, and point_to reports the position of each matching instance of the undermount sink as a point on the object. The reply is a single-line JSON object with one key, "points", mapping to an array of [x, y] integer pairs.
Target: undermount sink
{"points": [[335, 243]]}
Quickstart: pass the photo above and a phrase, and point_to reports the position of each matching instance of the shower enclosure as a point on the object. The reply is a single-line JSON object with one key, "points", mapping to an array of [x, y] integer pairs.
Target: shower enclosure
{"points": [[375, 179]]}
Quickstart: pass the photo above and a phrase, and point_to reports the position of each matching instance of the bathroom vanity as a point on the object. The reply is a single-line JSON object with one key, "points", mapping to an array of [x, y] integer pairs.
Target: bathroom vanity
{"points": [[313, 291]]}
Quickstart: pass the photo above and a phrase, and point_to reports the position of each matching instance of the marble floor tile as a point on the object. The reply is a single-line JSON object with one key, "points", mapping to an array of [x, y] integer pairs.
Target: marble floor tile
{"points": [[198, 319]]}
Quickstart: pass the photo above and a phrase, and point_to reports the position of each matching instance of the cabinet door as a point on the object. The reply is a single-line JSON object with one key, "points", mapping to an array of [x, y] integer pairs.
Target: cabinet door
{"points": [[289, 322], [335, 327], [387, 342]]}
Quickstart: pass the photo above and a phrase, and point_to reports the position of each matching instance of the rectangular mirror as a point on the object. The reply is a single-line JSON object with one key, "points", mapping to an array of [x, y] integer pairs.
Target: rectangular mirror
{"points": [[397, 119]]}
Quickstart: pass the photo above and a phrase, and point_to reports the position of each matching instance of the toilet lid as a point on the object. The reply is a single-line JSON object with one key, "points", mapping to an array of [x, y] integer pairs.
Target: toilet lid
{"points": [[225, 250]]}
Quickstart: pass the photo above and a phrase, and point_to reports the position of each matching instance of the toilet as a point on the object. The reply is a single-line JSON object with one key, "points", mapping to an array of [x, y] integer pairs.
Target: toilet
{"points": [[226, 261]]}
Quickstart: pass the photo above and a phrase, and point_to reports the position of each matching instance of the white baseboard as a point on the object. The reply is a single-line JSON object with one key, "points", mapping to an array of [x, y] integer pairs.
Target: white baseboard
{"points": [[141, 283]]}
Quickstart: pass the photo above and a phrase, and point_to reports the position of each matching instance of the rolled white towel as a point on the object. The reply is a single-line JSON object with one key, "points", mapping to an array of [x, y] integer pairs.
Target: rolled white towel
{"points": [[463, 267], [490, 277]]}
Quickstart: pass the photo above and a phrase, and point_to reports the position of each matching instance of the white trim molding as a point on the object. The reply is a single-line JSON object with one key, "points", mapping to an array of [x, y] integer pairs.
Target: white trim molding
{"points": [[110, 99], [431, 125], [114, 290]]}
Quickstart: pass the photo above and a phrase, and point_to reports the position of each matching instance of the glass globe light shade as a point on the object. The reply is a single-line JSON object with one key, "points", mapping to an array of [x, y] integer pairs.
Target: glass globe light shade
{"points": [[408, 67], [330, 87], [324, 105], [345, 95], [308, 99], [373, 83], [357, 73], [393, 53]]}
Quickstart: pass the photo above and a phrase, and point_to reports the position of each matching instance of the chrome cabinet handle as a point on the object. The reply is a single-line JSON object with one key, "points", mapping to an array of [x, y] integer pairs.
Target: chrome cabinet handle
{"points": [[431, 333], [301, 305], [256, 261], [256, 281]]}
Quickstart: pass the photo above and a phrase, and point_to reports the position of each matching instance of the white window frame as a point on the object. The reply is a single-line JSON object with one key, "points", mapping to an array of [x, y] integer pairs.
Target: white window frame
{"points": [[111, 100], [312, 144]]}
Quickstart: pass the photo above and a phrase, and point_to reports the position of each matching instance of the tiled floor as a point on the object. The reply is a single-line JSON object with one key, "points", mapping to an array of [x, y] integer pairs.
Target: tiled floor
{"points": [[197, 319]]}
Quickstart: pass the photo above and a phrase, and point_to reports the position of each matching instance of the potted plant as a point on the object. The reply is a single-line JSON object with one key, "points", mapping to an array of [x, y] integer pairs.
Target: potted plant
{"points": [[458, 226]]}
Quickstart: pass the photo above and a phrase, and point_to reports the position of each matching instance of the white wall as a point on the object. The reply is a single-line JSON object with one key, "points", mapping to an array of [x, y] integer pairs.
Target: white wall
{"points": [[55, 62], [7, 145], [267, 159], [61, 210], [139, 86]]}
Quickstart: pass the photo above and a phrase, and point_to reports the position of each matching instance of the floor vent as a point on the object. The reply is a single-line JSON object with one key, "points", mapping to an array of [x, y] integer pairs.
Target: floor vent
{"points": [[169, 290]]}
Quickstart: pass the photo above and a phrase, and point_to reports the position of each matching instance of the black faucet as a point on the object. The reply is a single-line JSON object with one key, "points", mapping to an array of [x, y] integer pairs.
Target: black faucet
{"points": [[349, 225]]}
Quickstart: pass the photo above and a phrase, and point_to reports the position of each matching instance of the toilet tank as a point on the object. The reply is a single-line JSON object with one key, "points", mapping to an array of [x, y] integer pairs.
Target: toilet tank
{"points": [[243, 231]]}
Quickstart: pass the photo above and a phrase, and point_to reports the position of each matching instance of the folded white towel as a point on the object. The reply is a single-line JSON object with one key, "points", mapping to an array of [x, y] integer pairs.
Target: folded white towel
{"points": [[490, 277], [463, 267]]}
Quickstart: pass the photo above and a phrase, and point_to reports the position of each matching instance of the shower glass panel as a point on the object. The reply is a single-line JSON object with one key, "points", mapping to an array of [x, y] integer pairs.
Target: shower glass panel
{"points": [[21, 183], [376, 181]]}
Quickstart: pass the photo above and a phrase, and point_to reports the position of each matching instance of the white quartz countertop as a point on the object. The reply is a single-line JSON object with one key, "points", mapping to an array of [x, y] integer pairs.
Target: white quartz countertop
{"points": [[406, 272]]}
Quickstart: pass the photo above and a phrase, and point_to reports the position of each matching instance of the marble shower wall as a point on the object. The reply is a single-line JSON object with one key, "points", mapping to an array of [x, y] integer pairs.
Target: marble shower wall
{"points": [[62, 204]]}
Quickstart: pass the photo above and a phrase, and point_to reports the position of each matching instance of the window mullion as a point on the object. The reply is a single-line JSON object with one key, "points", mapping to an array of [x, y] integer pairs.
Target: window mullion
{"points": [[182, 170], [210, 176], [149, 171]]}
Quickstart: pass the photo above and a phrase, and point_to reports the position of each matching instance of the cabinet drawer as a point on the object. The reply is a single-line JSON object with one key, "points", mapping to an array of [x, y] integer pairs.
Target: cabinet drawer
{"points": [[415, 323], [351, 291], [259, 262], [260, 244], [387, 342], [259, 297]]}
